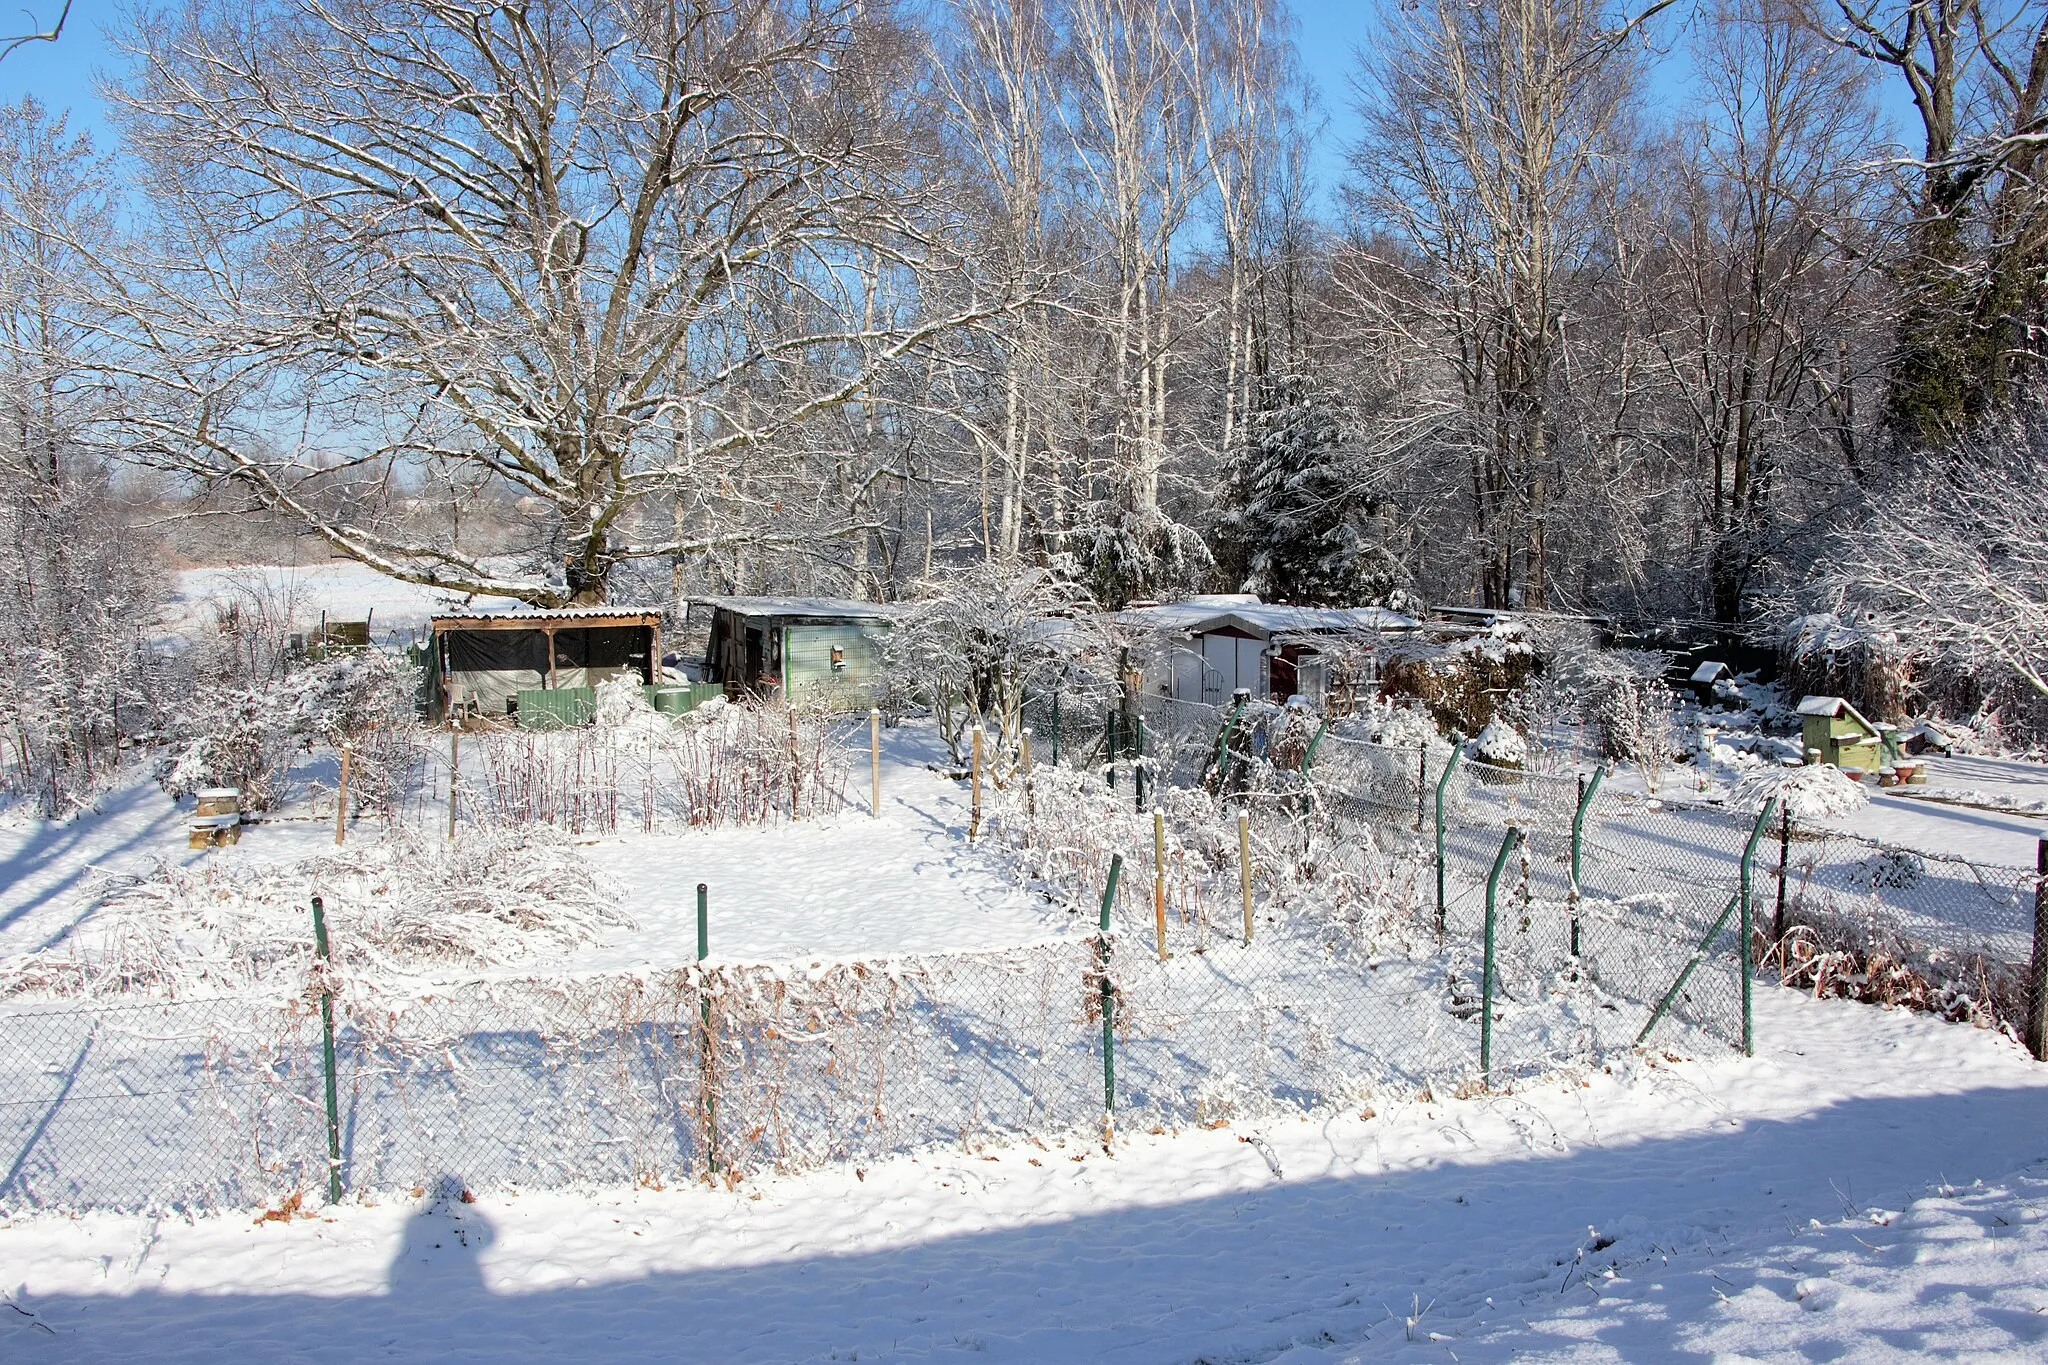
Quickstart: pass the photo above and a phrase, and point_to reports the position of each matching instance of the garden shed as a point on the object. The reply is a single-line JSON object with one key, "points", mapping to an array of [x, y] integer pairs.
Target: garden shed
{"points": [[1219, 645], [492, 662], [1839, 732], [816, 646]]}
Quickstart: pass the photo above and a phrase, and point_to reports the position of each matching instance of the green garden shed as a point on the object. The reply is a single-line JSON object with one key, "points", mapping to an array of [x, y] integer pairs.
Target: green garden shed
{"points": [[822, 649], [1839, 733]]}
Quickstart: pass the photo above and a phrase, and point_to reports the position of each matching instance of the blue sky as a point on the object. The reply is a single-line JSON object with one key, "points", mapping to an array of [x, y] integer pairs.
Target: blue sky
{"points": [[1329, 34]]}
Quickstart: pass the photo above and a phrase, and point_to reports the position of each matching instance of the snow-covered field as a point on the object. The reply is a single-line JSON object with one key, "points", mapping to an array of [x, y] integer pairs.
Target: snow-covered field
{"points": [[1822, 1201], [855, 885], [340, 588]]}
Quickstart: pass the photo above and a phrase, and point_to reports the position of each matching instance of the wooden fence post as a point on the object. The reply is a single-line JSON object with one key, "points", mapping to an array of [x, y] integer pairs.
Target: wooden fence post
{"points": [[974, 816], [2037, 973], [875, 756], [1244, 869], [341, 800]]}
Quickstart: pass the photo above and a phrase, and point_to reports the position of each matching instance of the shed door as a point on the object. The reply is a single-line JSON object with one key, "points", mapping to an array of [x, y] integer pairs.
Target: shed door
{"points": [[1219, 675], [1251, 659]]}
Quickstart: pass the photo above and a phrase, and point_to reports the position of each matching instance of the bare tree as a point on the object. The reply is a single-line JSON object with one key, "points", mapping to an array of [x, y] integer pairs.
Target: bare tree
{"points": [[1766, 293], [1490, 131], [614, 254]]}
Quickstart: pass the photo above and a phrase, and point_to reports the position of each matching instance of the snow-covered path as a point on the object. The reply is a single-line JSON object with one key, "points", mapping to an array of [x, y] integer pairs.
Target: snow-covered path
{"points": [[1303, 1241]]}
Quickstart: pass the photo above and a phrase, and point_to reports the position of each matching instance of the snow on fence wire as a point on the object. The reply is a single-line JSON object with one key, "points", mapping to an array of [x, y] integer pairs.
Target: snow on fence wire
{"points": [[1596, 925]]}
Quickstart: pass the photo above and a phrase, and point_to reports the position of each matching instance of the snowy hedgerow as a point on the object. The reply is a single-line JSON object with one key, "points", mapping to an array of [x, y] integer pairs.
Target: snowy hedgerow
{"points": [[1810, 793]]}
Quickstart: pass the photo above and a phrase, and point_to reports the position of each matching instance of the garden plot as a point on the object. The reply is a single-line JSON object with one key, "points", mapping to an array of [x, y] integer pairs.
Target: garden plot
{"points": [[853, 886]]}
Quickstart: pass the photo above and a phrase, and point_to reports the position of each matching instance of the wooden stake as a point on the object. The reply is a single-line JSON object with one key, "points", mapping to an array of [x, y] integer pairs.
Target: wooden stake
{"points": [[1024, 761], [1159, 879], [341, 800], [875, 755], [1244, 869], [454, 770], [974, 817]]}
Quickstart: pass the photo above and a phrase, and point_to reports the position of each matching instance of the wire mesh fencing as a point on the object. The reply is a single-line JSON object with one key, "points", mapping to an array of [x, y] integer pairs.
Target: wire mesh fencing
{"points": [[1258, 939]]}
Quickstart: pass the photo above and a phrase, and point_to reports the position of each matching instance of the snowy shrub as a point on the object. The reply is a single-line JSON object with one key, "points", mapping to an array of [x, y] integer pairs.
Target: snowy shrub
{"points": [[1405, 727], [1849, 655], [234, 732], [1892, 869], [718, 765], [1807, 793], [1500, 745], [1631, 716], [1461, 684], [974, 640], [396, 906]]}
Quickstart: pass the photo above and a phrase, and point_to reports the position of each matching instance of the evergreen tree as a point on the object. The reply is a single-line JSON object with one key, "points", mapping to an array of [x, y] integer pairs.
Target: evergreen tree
{"points": [[1301, 528]]}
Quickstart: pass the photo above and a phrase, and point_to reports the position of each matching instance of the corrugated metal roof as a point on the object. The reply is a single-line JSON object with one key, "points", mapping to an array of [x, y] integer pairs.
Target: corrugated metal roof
{"points": [[544, 614], [800, 606], [1198, 615]]}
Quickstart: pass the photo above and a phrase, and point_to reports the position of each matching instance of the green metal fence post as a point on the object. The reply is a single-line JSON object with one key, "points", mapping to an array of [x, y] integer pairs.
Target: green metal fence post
{"points": [[327, 1053], [1116, 868], [1756, 835], [1699, 955], [1222, 758], [1441, 783], [706, 1071], [1587, 791], [1508, 844], [1308, 793]]}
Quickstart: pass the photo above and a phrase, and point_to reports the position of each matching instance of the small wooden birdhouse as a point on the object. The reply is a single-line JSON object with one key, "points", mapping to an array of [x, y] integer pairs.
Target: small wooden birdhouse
{"points": [[1707, 680], [1839, 733]]}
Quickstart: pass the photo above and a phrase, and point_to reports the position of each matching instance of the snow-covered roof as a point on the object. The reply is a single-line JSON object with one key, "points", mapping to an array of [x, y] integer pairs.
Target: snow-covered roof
{"points": [[1830, 707], [543, 615], [1710, 671], [828, 607], [1201, 615]]}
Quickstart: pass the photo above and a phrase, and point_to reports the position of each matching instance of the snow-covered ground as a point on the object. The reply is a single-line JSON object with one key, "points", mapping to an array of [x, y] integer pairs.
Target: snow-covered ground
{"points": [[852, 886], [1821, 1201], [858, 886], [341, 588]]}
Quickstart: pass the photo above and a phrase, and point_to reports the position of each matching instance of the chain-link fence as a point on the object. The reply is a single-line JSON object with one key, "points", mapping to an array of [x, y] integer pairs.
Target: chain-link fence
{"points": [[1370, 921]]}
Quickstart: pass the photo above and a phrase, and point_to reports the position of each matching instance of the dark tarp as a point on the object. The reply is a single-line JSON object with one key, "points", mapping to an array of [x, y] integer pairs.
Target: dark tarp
{"points": [[489, 666]]}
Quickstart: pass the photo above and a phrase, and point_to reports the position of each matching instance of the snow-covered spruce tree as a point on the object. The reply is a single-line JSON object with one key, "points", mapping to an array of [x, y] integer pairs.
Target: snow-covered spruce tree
{"points": [[1129, 553], [974, 639], [1301, 530]]}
